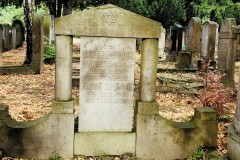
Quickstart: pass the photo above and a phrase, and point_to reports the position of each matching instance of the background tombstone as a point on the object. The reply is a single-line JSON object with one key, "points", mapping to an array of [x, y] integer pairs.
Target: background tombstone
{"points": [[37, 44], [227, 49], [176, 36], [48, 27], [208, 40], [161, 43], [14, 37], [6, 37], [1, 38], [19, 32], [193, 39]]}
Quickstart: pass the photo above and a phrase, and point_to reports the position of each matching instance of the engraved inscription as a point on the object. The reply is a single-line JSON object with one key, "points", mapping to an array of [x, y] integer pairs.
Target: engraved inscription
{"points": [[109, 17]]}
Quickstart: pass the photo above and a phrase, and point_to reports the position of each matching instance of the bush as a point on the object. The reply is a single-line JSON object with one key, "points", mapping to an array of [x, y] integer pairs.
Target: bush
{"points": [[11, 13], [215, 95], [49, 52]]}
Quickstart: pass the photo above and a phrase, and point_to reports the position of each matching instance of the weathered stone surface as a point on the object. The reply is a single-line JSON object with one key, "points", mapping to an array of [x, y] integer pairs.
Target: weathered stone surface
{"points": [[184, 60], [193, 39], [158, 137], [6, 37], [14, 38], [15, 69], [63, 83], [109, 21], [161, 43], [1, 39], [3, 111], [233, 145], [227, 50], [176, 37], [62, 107], [205, 114], [40, 141], [148, 108], [209, 34], [149, 57], [95, 144], [37, 44], [237, 114], [48, 27], [106, 84]]}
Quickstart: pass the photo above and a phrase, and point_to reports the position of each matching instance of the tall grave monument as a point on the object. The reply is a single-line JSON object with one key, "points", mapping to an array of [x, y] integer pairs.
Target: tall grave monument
{"points": [[193, 39], [209, 34], [227, 49]]}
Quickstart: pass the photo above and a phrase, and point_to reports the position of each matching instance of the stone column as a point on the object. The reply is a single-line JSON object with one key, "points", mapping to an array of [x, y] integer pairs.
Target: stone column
{"points": [[227, 49], [63, 78], [37, 44], [149, 55]]}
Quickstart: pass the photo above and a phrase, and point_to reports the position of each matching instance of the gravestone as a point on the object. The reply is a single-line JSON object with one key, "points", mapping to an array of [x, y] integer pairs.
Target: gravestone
{"points": [[108, 48], [193, 39], [176, 37], [6, 37], [227, 49], [19, 32], [37, 44], [106, 84], [14, 37], [1, 38], [161, 43], [209, 35], [48, 27]]}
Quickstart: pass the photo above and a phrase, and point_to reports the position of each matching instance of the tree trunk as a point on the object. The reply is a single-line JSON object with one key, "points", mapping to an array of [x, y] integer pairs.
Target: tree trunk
{"points": [[28, 11], [59, 8]]}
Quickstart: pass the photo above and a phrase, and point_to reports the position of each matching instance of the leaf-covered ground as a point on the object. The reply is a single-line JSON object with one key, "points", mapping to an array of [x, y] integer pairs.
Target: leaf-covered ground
{"points": [[30, 96]]}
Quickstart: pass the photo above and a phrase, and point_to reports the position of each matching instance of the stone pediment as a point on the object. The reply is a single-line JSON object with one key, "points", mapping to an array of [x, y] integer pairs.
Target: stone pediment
{"points": [[108, 21]]}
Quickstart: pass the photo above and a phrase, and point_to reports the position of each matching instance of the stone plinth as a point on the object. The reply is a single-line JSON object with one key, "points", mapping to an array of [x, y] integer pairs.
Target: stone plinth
{"points": [[95, 144], [106, 84]]}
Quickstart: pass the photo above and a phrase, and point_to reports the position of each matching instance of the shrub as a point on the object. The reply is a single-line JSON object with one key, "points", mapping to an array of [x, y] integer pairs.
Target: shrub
{"points": [[49, 52], [214, 94]]}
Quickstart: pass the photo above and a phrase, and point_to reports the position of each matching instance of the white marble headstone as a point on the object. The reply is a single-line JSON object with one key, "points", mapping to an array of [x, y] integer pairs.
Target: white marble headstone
{"points": [[106, 84]]}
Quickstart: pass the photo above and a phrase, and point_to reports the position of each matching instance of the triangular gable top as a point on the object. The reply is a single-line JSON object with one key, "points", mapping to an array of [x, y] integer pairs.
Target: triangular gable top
{"points": [[109, 21]]}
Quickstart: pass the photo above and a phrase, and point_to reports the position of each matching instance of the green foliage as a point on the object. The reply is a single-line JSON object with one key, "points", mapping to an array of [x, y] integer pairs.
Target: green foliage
{"points": [[198, 154], [216, 10], [42, 9], [10, 13], [49, 50], [56, 156]]}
